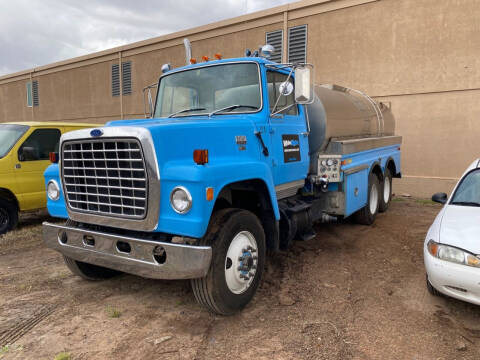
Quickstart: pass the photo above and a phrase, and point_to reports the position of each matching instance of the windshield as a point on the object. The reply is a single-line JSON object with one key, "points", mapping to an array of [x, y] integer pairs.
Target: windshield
{"points": [[9, 135], [232, 88], [468, 192]]}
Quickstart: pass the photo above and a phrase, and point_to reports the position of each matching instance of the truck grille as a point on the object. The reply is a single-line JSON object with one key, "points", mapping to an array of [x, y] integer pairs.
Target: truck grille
{"points": [[105, 177]]}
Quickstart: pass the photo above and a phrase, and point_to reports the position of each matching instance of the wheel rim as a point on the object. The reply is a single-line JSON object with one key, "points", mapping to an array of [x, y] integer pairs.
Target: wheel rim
{"points": [[373, 199], [4, 218], [386, 191], [241, 262]]}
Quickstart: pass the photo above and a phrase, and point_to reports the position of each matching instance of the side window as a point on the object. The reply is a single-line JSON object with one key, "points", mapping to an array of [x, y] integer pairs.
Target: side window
{"points": [[39, 145], [274, 79]]}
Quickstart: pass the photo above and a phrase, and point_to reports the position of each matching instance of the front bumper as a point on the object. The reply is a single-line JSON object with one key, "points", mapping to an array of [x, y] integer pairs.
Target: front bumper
{"points": [[181, 262], [458, 281]]}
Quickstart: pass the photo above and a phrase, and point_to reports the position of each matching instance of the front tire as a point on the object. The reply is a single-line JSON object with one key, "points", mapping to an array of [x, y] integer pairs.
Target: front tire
{"points": [[237, 239], [367, 215], [431, 289], [8, 216], [385, 191]]}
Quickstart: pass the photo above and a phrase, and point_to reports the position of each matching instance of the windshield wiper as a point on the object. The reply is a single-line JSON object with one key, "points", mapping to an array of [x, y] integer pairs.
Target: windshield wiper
{"points": [[184, 111], [465, 203], [230, 108]]}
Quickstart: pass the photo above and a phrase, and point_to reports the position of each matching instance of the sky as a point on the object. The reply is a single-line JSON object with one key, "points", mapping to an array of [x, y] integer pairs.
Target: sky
{"points": [[34, 32]]}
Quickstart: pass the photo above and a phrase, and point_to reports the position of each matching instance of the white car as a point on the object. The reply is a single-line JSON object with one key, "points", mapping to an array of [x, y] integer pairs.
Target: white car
{"points": [[452, 246]]}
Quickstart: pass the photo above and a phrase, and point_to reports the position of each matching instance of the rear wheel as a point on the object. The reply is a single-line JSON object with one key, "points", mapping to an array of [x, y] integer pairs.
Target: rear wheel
{"points": [[8, 216], [238, 258], [367, 215], [386, 191]]}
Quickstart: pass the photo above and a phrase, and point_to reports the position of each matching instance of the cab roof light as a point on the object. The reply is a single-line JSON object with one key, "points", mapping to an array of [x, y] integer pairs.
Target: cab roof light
{"points": [[200, 156], [53, 157], [218, 56], [193, 61], [205, 58]]}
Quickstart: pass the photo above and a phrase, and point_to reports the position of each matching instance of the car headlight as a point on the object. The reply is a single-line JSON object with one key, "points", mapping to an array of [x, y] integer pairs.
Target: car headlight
{"points": [[53, 190], [452, 254], [181, 200]]}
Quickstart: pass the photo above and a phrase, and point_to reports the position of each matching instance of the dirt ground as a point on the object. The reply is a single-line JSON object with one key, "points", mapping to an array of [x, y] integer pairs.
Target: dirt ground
{"points": [[353, 292]]}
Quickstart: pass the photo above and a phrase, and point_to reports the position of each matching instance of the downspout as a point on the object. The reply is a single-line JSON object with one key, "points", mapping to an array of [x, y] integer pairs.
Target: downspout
{"points": [[285, 37], [120, 72], [31, 87]]}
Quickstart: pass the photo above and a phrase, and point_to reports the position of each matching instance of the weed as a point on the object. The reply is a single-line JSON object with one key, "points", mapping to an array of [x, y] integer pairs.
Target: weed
{"points": [[113, 312], [4, 349], [398, 199], [63, 356], [424, 202]]}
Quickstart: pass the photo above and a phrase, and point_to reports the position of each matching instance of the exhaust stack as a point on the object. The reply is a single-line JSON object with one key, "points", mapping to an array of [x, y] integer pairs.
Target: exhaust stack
{"points": [[188, 51]]}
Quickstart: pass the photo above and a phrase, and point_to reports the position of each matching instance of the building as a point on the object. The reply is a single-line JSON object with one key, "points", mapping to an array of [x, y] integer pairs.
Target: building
{"points": [[420, 56]]}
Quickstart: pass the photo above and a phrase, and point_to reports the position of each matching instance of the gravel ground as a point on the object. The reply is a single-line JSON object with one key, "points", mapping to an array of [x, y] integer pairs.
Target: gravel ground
{"points": [[353, 292]]}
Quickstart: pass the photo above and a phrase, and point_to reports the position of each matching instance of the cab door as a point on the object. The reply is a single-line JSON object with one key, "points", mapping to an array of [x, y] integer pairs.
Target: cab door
{"points": [[288, 137], [32, 159]]}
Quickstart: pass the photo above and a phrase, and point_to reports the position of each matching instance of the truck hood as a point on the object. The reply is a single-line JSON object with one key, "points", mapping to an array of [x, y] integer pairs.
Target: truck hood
{"points": [[460, 227]]}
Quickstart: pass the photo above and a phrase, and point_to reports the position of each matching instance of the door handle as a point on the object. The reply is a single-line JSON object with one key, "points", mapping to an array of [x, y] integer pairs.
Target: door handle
{"points": [[18, 166]]}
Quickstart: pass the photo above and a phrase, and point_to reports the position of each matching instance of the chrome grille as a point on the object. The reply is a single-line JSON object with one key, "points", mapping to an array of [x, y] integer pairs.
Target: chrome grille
{"points": [[105, 177]]}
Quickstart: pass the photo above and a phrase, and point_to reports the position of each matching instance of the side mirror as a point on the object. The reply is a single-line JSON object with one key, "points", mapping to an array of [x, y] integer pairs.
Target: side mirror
{"points": [[28, 153], [303, 85], [440, 198], [286, 88]]}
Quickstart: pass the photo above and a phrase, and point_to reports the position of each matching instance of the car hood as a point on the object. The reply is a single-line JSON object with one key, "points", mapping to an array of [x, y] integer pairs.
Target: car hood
{"points": [[460, 227]]}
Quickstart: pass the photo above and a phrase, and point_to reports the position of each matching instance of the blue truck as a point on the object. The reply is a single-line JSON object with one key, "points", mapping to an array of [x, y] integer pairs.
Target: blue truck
{"points": [[238, 158]]}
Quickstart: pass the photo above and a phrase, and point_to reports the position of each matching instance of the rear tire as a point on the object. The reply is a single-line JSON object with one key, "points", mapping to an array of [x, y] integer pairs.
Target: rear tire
{"points": [[8, 216], [385, 191], [237, 239], [367, 215]]}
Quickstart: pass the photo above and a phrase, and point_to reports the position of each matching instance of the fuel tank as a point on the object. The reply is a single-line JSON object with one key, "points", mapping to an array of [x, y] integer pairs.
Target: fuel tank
{"points": [[341, 113]]}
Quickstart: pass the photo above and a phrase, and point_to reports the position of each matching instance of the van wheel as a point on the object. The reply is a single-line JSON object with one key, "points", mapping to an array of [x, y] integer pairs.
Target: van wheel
{"points": [[238, 257], [385, 191], [8, 216], [367, 215]]}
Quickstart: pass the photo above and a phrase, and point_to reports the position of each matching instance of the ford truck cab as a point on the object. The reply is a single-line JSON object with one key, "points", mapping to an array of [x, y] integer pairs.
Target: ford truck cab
{"points": [[239, 156], [24, 156]]}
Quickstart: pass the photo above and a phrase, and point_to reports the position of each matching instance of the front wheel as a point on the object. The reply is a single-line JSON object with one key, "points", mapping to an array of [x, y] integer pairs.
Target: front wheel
{"points": [[238, 258], [8, 216], [367, 215]]}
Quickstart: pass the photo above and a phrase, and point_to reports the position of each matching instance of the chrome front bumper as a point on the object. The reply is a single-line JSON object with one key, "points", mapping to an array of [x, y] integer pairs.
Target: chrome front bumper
{"points": [[181, 262]]}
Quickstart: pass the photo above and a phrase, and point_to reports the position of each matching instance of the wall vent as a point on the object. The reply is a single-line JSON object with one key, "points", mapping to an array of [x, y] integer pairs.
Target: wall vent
{"points": [[127, 78], [115, 80], [297, 44], [275, 38]]}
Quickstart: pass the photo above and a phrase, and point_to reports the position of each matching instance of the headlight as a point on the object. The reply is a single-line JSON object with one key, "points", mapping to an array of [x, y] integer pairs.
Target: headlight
{"points": [[181, 200], [53, 190], [452, 254]]}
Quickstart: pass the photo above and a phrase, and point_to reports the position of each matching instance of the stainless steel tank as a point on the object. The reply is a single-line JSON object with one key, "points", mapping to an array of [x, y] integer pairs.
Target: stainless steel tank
{"points": [[342, 113]]}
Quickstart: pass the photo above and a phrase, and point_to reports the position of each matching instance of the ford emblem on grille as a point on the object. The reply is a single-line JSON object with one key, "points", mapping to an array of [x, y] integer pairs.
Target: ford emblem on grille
{"points": [[96, 132]]}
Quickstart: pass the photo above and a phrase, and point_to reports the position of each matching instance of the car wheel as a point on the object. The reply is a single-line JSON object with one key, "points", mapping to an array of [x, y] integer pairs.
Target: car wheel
{"points": [[8, 216], [238, 258], [385, 191], [431, 289], [367, 215]]}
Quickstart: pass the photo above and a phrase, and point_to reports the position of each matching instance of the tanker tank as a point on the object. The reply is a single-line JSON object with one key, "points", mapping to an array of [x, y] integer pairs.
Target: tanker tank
{"points": [[343, 120]]}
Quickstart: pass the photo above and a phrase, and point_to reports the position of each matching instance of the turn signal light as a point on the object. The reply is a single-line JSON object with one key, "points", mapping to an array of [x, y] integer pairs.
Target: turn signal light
{"points": [[205, 58], [200, 156], [432, 248], [218, 56], [209, 193], [53, 157], [193, 61]]}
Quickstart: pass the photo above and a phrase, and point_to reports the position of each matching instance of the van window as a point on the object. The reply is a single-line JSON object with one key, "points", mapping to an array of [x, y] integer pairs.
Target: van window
{"points": [[9, 135], [40, 144]]}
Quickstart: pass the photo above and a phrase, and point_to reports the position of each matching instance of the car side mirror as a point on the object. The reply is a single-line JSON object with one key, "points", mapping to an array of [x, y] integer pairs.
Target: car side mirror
{"points": [[303, 84], [28, 153], [440, 198]]}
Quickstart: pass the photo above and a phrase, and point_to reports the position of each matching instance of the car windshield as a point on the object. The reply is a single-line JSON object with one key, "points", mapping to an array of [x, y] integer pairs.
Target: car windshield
{"points": [[230, 88], [9, 135], [468, 192]]}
